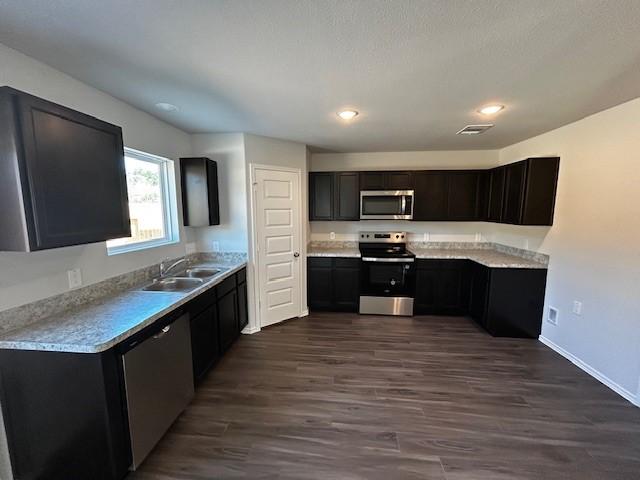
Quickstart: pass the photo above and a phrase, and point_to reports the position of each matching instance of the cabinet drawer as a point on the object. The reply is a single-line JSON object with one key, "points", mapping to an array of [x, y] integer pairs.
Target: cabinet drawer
{"points": [[347, 262], [320, 261]]}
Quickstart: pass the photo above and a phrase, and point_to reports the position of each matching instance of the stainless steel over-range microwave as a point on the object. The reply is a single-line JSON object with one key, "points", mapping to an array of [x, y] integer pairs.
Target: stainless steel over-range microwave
{"points": [[386, 204]]}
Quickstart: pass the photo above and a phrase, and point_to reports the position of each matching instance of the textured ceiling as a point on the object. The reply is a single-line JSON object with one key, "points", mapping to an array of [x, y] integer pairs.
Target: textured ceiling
{"points": [[416, 69]]}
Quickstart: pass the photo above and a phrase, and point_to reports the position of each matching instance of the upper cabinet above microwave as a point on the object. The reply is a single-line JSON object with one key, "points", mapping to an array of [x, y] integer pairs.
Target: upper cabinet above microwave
{"points": [[62, 176], [386, 180]]}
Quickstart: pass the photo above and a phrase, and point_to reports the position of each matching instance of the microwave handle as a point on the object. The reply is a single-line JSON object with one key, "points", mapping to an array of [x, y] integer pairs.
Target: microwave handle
{"points": [[403, 205]]}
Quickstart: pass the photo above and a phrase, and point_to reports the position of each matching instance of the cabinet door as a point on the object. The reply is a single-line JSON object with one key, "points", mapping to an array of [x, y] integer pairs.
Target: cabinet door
{"points": [[205, 347], [484, 180], [426, 288], [347, 196], [514, 192], [321, 196], [398, 180], [243, 317], [319, 278], [496, 194], [76, 176], [540, 191], [479, 293], [372, 181], [228, 319], [463, 196], [431, 196], [346, 284]]}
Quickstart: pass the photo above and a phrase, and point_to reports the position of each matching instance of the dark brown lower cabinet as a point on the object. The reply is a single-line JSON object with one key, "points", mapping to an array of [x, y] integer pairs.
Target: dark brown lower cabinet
{"points": [[205, 344], [508, 302], [441, 287], [228, 319], [333, 284]]}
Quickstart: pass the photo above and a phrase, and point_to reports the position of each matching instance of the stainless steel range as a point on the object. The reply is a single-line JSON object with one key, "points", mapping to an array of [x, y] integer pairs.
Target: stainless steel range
{"points": [[388, 274]]}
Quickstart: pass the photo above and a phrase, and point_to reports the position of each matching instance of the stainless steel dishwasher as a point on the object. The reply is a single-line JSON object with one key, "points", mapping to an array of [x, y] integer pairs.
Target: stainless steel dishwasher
{"points": [[158, 375]]}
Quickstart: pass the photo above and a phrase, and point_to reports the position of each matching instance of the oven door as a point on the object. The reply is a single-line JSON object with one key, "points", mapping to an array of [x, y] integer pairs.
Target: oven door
{"points": [[386, 204], [387, 277]]}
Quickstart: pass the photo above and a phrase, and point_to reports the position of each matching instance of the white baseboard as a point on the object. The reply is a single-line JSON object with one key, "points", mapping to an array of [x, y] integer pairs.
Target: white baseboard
{"points": [[248, 330], [304, 313], [623, 392]]}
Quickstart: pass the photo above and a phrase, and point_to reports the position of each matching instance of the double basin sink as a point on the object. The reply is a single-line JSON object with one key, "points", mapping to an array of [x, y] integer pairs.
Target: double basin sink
{"points": [[189, 280]]}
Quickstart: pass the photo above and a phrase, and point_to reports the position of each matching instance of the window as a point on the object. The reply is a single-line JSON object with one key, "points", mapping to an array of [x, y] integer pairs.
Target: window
{"points": [[152, 206]]}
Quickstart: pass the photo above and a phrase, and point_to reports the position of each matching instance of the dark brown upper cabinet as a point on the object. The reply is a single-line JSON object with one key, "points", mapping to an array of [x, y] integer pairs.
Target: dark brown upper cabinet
{"points": [[528, 192], [334, 196], [431, 196], [321, 195], [463, 195], [199, 182], [496, 194], [347, 196], [62, 176], [386, 180]]}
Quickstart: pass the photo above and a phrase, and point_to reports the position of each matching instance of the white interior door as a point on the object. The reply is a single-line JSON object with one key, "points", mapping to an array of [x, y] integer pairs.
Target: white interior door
{"points": [[277, 223]]}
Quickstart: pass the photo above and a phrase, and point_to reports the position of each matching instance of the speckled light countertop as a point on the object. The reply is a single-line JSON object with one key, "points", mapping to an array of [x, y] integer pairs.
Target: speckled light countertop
{"points": [[487, 256], [99, 325]]}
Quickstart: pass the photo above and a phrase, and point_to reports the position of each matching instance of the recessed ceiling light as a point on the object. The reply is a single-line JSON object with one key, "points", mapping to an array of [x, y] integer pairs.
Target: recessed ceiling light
{"points": [[166, 107], [491, 109], [348, 114]]}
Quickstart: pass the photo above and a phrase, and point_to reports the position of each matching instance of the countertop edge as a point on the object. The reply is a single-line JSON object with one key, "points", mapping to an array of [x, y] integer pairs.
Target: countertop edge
{"points": [[102, 347]]}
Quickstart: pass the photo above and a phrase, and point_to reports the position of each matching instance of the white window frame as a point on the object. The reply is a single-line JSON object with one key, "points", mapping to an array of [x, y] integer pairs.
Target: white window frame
{"points": [[168, 200]]}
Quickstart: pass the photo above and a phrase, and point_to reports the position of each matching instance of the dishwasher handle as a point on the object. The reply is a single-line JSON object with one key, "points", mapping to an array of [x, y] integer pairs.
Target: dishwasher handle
{"points": [[162, 332]]}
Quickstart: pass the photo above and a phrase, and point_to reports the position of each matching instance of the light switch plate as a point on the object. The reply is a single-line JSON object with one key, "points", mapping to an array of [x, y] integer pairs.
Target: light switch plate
{"points": [[332, 235], [215, 245], [75, 278], [577, 307]]}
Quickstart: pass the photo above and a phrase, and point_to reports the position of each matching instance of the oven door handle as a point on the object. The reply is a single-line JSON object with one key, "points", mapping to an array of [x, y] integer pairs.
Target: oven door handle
{"points": [[388, 260]]}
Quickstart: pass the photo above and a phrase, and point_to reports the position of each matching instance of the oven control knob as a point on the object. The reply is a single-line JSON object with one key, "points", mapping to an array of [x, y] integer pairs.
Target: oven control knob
{"points": [[393, 281], [397, 236], [402, 236]]}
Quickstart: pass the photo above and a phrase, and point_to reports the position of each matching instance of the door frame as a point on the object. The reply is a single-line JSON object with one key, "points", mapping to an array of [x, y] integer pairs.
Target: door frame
{"points": [[255, 323]]}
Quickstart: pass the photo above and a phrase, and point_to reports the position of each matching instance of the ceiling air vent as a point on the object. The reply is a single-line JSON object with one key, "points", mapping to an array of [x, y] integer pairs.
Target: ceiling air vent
{"points": [[474, 129]]}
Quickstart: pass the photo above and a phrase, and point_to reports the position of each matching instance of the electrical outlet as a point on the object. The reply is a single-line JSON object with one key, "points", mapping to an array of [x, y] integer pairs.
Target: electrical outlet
{"points": [[577, 307], [190, 248], [75, 278], [332, 235], [425, 237], [552, 316], [215, 245]]}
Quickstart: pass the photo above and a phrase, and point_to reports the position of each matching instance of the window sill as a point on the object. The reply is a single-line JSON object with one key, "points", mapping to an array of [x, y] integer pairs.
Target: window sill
{"points": [[140, 246]]}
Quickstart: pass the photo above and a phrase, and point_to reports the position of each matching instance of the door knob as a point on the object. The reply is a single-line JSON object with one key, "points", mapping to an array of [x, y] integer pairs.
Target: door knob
{"points": [[296, 254]]}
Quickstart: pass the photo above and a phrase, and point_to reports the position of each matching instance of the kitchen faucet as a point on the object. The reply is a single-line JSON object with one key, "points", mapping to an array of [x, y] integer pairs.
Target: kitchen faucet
{"points": [[165, 270]]}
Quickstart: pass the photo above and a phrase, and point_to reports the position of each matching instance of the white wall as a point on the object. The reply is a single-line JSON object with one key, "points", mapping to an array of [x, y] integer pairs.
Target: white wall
{"points": [[25, 277], [228, 150], [594, 244]]}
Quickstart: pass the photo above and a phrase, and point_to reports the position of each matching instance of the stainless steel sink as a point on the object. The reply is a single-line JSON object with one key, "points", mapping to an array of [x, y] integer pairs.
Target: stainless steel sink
{"points": [[202, 272], [174, 284]]}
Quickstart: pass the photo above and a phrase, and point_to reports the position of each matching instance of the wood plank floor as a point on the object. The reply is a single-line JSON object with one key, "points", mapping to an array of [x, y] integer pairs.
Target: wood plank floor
{"points": [[340, 396]]}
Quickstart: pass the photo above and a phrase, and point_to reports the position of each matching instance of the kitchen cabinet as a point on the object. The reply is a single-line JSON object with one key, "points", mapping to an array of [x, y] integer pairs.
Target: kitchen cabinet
{"points": [[243, 314], [463, 195], [442, 287], [383, 180], [347, 196], [513, 192], [521, 193], [508, 302], [64, 415], [431, 196], [62, 176], [321, 200], [228, 313], [205, 342], [524, 193], [333, 284], [199, 181], [496, 194]]}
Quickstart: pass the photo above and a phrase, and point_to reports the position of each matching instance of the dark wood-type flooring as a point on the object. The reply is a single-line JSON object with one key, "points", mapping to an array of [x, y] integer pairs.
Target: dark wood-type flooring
{"points": [[344, 397]]}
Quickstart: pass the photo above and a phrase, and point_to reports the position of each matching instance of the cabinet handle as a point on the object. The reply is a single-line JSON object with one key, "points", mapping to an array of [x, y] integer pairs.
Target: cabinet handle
{"points": [[296, 254]]}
